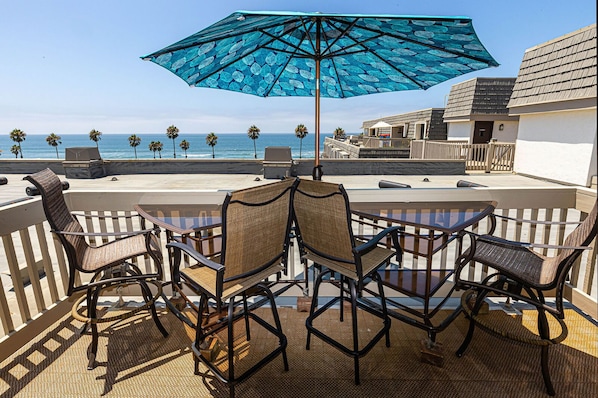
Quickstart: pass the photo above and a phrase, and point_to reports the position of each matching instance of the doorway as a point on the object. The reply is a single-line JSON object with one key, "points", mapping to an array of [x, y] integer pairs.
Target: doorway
{"points": [[420, 131], [482, 132]]}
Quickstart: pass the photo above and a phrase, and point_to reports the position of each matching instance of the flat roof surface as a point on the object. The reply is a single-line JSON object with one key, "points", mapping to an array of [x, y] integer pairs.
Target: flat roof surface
{"points": [[15, 189]]}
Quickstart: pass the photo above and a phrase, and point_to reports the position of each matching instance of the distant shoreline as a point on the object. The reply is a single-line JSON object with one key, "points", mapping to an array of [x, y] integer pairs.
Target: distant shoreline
{"points": [[116, 146]]}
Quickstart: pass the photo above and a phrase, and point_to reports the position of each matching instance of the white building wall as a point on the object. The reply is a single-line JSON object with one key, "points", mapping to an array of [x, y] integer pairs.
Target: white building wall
{"points": [[508, 133], [559, 146], [459, 130]]}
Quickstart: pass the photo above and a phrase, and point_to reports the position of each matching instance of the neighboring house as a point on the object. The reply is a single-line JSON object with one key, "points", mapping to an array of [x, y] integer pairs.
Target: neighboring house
{"points": [[555, 99], [476, 111], [423, 124]]}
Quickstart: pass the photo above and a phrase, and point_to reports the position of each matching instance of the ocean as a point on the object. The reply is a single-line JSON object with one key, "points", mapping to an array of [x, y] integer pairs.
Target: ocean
{"points": [[116, 146]]}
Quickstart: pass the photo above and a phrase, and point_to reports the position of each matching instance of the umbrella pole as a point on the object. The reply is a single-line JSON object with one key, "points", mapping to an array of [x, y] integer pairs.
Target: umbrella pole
{"points": [[317, 171]]}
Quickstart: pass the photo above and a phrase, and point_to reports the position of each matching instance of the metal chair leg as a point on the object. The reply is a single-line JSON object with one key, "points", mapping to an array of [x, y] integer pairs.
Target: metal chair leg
{"points": [[147, 295], [314, 303], [353, 292], [231, 346], [282, 338], [476, 308], [246, 316], [92, 315], [544, 332], [382, 303]]}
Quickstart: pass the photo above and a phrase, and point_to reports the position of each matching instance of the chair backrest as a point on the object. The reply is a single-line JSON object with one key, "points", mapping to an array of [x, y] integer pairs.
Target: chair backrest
{"points": [[256, 224], [323, 220], [58, 215], [582, 235]]}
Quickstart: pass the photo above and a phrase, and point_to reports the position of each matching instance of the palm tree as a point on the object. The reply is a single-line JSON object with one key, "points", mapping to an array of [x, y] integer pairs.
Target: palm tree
{"points": [[153, 146], [18, 136], [159, 147], [95, 136], [54, 140], [15, 150], [300, 132], [172, 132], [339, 133], [254, 133], [185, 146], [212, 140], [134, 141]]}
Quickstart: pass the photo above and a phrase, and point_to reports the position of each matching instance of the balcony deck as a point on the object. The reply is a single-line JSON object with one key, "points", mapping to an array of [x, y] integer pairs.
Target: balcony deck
{"points": [[136, 361]]}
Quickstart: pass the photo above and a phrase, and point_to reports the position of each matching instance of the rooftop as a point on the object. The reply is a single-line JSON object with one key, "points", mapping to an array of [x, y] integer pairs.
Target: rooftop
{"points": [[15, 189], [479, 96], [562, 69]]}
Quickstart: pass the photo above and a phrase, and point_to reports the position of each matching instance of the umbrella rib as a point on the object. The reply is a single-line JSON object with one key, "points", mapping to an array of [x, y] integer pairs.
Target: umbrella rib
{"points": [[204, 77], [409, 40], [328, 47], [306, 30], [274, 38], [278, 76], [342, 33], [182, 44], [359, 43], [337, 78]]}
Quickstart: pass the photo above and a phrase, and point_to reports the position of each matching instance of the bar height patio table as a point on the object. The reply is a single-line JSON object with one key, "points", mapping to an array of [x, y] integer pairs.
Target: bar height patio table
{"points": [[429, 228], [196, 224]]}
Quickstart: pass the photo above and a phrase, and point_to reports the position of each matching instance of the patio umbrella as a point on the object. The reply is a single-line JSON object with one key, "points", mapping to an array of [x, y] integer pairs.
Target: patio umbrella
{"points": [[325, 55]]}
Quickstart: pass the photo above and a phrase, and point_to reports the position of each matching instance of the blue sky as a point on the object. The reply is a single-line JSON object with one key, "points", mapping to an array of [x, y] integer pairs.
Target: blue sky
{"points": [[69, 66]]}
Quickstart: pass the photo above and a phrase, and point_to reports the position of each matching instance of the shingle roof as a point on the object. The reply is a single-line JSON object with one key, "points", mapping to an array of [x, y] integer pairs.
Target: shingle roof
{"points": [[559, 70], [479, 96]]}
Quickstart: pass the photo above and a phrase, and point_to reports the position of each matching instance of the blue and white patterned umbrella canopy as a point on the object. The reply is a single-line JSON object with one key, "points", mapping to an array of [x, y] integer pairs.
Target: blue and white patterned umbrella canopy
{"points": [[289, 53]]}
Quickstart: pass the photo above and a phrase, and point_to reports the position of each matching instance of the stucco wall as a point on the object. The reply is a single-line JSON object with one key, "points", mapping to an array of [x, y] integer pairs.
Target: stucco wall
{"points": [[559, 146], [459, 130], [509, 132]]}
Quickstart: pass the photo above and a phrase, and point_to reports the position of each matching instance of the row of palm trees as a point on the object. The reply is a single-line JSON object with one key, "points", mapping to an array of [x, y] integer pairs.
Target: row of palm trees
{"points": [[172, 132]]}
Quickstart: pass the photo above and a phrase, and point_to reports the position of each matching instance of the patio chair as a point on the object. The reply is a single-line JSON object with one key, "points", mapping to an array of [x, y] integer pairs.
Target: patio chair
{"points": [[107, 263], [256, 226], [521, 273], [325, 236]]}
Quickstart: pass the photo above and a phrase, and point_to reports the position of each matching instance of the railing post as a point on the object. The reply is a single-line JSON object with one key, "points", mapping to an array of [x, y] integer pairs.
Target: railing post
{"points": [[489, 156]]}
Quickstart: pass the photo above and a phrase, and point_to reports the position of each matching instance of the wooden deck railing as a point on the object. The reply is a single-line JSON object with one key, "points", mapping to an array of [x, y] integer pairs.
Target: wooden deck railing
{"points": [[494, 156], [382, 142], [34, 268]]}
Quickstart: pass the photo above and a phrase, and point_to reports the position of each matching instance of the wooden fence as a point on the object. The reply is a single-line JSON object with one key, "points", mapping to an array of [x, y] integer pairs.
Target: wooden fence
{"points": [[494, 156]]}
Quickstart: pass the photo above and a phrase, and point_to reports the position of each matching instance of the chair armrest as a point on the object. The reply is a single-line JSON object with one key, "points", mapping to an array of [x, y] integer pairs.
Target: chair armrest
{"points": [[506, 242], [369, 245], [200, 258], [96, 234], [104, 217]]}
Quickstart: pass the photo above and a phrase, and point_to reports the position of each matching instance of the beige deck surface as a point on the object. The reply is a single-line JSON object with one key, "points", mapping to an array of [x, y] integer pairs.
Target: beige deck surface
{"points": [[136, 361], [16, 186]]}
